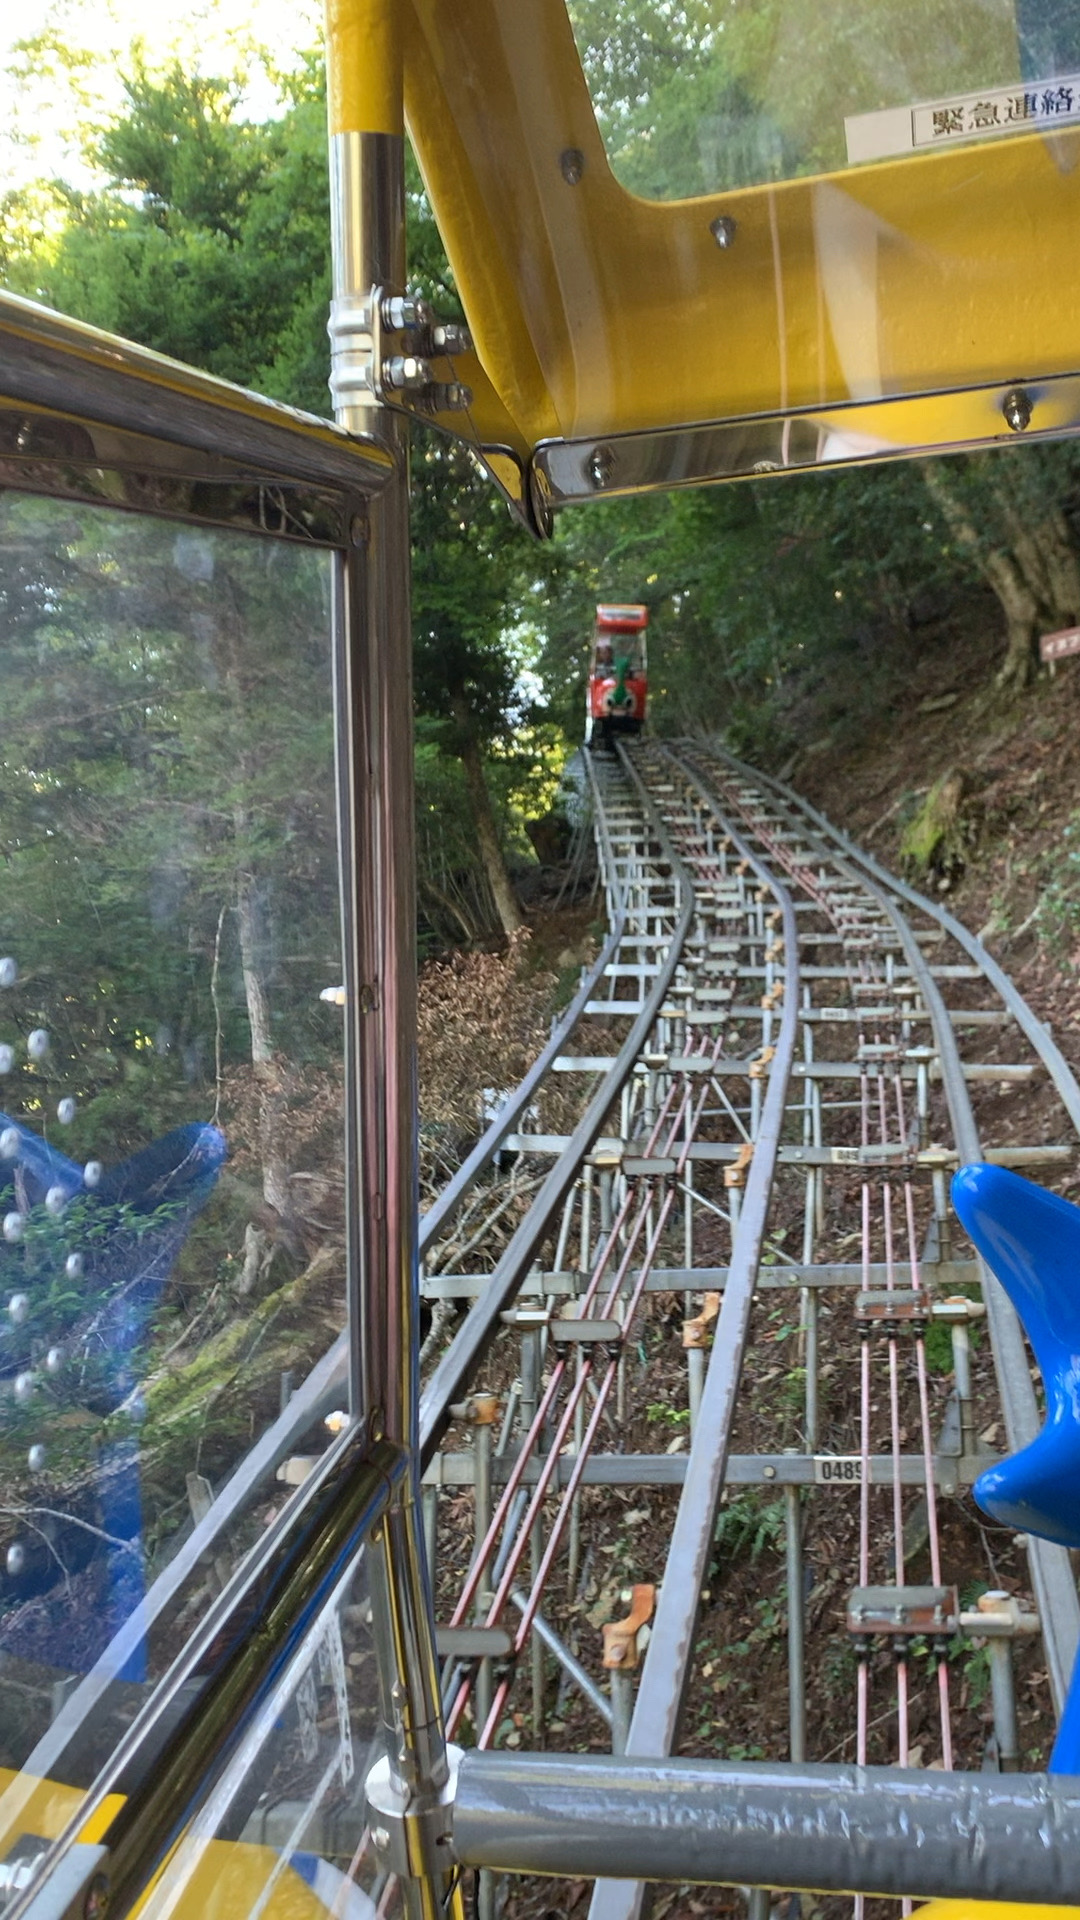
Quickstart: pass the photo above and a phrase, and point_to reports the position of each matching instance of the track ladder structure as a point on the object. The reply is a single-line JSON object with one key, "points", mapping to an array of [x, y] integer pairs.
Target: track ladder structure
{"points": [[779, 1058]]}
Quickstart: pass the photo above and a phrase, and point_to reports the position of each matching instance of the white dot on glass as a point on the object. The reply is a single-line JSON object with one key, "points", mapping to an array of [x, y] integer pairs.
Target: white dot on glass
{"points": [[7, 1058], [54, 1359], [54, 1200], [35, 1459], [73, 1265], [37, 1045], [24, 1388], [65, 1112], [16, 1559], [9, 1142], [9, 972], [18, 1307], [92, 1173], [13, 1227]]}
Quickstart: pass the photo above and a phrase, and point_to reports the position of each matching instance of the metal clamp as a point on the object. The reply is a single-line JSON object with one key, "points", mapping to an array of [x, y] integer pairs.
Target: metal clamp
{"points": [[385, 348], [887, 1311], [621, 1649], [696, 1332], [411, 1838], [902, 1614]]}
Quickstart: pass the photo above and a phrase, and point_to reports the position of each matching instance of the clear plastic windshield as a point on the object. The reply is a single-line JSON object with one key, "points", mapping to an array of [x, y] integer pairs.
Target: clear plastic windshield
{"points": [[171, 1196], [705, 95]]}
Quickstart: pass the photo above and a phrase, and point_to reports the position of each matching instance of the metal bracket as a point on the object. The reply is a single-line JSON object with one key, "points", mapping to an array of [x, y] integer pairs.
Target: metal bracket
{"points": [[621, 1648], [888, 1311], [899, 1614], [386, 349], [696, 1332], [411, 1838], [998, 1616]]}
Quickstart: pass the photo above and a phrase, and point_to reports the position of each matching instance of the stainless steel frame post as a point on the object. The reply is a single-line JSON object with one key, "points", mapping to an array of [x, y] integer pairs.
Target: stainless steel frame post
{"points": [[375, 749]]}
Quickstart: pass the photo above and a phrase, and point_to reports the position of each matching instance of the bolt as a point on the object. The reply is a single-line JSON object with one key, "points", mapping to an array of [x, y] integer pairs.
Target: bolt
{"points": [[572, 165], [402, 313], [1016, 407], [600, 465], [450, 396], [723, 230], [380, 1838], [768, 1473], [97, 1898], [451, 339], [406, 371]]}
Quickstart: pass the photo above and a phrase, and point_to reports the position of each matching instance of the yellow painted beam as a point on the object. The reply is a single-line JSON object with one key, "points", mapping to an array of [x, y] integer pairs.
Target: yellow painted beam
{"points": [[364, 66]]}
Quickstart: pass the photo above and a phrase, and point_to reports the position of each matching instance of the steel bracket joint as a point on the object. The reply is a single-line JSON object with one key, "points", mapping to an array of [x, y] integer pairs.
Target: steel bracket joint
{"points": [[385, 352], [412, 1836]]}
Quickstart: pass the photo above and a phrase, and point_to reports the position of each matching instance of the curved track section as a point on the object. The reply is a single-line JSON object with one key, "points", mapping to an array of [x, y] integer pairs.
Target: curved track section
{"points": [[781, 1056]]}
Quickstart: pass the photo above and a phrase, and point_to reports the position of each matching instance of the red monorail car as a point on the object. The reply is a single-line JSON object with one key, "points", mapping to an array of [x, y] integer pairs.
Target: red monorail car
{"points": [[618, 673]]}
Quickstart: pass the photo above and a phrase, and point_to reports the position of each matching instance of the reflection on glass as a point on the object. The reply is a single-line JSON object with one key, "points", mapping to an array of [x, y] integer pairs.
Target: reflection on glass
{"points": [[171, 1240], [706, 95], [284, 1835]]}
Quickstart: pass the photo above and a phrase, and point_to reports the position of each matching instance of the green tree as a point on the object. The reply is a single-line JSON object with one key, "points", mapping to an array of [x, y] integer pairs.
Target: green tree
{"points": [[210, 242]]}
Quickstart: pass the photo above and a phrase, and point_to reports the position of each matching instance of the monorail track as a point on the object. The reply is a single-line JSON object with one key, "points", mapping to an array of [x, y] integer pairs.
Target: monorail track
{"points": [[780, 1045]]}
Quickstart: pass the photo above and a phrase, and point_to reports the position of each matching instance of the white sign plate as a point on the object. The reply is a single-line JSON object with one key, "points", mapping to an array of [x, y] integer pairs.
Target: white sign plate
{"points": [[838, 1469], [1028, 106]]}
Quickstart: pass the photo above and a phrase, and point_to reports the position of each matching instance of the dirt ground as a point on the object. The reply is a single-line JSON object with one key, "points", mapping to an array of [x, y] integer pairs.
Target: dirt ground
{"points": [[1010, 871]]}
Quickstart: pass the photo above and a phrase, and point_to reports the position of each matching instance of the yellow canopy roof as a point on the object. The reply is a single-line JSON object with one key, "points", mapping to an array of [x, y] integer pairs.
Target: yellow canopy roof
{"points": [[920, 302]]}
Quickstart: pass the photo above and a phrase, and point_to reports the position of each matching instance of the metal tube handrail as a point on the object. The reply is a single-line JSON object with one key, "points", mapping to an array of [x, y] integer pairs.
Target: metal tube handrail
{"points": [[78, 370], [762, 1823]]}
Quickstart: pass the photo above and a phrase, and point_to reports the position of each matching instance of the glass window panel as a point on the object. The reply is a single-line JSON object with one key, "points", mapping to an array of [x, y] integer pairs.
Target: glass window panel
{"points": [[284, 1835], [699, 96], [171, 1192]]}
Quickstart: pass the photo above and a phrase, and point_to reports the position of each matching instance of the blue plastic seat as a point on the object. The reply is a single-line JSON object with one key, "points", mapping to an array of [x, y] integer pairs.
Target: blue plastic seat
{"points": [[1031, 1241]]}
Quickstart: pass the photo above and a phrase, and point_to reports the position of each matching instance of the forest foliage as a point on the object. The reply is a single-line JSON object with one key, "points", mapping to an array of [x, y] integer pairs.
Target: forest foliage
{"points": [[772, 604]]}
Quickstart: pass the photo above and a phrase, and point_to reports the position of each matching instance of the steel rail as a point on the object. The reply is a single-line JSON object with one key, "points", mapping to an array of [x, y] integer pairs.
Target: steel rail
{"points": [[1040, 1036], [449, 1201], [761, 1823], [451, 1377], [1052, 1578], [655, 1721]]}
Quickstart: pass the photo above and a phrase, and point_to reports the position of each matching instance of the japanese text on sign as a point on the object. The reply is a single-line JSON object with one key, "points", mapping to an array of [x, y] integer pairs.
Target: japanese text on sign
{"points": [[995, 113], [1025, 106]]}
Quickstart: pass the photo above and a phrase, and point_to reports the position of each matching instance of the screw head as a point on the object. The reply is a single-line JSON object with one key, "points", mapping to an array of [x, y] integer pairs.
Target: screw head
{"points": [[97, 1898], [600, 465], [380, 1839], [723, 230], [572, 165], [1017, 409]]}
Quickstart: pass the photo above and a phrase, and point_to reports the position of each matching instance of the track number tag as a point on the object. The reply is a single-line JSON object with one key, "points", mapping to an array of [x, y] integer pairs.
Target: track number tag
{"points": [[838, 1469]]}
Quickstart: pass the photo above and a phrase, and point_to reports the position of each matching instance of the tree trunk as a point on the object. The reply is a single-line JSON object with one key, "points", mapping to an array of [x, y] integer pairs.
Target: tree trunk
{"points": [[277, 1191], [487, 835], [1018, 596]]}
